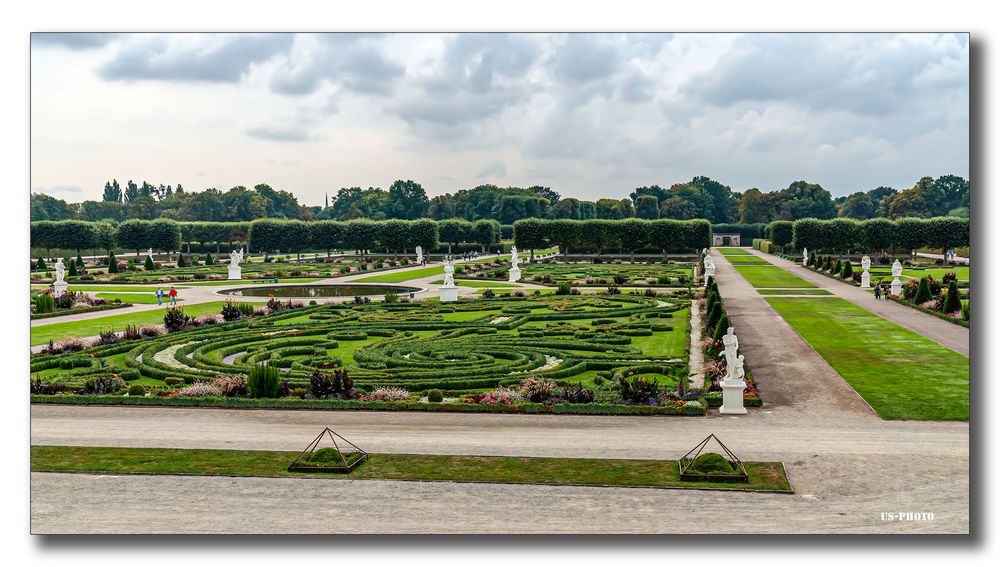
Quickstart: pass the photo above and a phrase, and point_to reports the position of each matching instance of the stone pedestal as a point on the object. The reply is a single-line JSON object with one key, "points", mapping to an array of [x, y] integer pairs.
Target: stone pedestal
{"points": [[709, 271], [448, 294], [235, 272], [514, 275], [732, 397], [60, 287], [897, 287], [866, 280]]}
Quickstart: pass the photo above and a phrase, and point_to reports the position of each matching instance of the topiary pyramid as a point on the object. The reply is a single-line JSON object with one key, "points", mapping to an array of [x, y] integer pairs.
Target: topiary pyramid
{"points": [[699, 465], [340, 458]]}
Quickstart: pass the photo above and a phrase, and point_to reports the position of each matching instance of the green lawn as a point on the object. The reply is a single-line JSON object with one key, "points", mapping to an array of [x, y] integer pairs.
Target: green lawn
{"points": [[901, 374], [396, 277], [90, 288], [478, 283], [815, 291], [90, 327], [747, 259], [249, 281], [457, 468], [962, 272], [733, 251], [770, 276]]}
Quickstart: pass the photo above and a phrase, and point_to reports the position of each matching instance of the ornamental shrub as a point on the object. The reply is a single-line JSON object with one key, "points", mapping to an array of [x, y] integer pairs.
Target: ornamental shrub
{"points": [[710, 463], [231, 386], [847, 272], [966, 311], [721, 327], [536, 389], [209, 260], [112, 264], [44, 303], [181, 262], [713, 316], [136, 390], [563, 289], [638, 390], [263, 381], [175, 319], [230, 311], [435, 396], [72, 269], [79, 261], [148, 265], [336, 384], [576, 394], [108, 384], [837, 267], [923, 292], [952, 302], [41, 264]]}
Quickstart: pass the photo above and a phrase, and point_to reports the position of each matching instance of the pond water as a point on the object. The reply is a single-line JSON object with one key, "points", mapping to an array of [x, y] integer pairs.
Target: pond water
{"points": [[332, 290]]}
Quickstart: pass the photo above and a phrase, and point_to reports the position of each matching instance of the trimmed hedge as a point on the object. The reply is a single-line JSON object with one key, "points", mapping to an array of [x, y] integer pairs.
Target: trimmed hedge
{"points": [[842, 235]]}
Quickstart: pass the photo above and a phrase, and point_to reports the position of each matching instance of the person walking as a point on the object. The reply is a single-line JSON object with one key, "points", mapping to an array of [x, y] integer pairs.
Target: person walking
{"points": [[159, 296], [173, 296], [878, 292]]}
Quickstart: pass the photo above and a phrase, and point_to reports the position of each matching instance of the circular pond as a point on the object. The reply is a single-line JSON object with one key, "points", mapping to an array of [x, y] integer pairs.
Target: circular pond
{"points": [[332, 290]]}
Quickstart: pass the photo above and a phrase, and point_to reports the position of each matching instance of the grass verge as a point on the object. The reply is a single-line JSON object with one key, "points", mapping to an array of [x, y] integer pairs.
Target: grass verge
{"points": [[900, 373], [763, 476], [770, 276]]}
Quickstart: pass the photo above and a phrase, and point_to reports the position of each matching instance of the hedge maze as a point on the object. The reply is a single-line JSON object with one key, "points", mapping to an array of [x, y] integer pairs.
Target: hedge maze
{"points": [[470, 346]]}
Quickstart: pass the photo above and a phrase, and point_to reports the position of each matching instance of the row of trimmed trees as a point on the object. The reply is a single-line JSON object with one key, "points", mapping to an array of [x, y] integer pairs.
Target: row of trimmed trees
{"points": [[599, 235], [265, 235], [873, 235]]}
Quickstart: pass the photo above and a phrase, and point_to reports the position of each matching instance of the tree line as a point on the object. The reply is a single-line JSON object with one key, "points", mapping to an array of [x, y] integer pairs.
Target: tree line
{"points": [[700, 198], [602, 234]]}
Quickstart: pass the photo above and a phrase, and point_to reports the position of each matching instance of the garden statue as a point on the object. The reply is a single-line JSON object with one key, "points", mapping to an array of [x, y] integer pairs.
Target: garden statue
{"points": [[235, 271], [730, 346], [448, 290], [60, 284], [420, 256], [709, 266], [805, 256], [150, 253], [515, 272], [732, 388], [897, 270], [866, 278]]}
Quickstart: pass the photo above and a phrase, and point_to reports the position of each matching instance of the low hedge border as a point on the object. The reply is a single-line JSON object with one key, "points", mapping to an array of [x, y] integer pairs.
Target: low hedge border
{"points": [[937, 314], [106, 307], [300, 404]]}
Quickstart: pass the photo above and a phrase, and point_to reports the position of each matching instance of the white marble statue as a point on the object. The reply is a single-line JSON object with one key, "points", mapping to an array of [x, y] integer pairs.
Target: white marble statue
{"points": [[866, 278], [730, 347], [732, 388], [709, 266], [449, 272], [448, 290], [897, 270], [805, 256], [515, 272], [150, 253], [235, 271], [866, 263], [420, 255], [60, 284]]}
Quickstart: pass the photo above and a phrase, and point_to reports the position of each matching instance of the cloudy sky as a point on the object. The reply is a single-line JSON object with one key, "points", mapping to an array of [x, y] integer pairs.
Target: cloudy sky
{"points": [[589, 115]]}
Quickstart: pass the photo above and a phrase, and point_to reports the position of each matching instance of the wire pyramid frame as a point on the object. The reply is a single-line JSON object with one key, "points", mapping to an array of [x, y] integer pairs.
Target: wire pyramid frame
{"points": [[301, 463], [740, 474]]}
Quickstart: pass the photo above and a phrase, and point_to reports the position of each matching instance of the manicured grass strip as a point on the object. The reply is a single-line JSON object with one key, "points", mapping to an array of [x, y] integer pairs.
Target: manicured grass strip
{"points": [[477, 283], [250, 281], [397, 277], [90, 327], [816, 291], [747, 259], [733, 251], [770, 276], [765, 476], [901, 374]]}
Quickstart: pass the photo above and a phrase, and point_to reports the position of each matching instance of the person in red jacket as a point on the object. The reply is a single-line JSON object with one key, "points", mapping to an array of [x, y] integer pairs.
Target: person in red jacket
{"points": [[173, 296]]}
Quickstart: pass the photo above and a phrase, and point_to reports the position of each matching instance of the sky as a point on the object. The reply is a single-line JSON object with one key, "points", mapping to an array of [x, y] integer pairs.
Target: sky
{"points": [[590, 115]]}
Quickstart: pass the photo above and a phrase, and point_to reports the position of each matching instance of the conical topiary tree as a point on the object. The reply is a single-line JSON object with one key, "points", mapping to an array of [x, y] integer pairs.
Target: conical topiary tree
{"points": [[112, 263], [837, 267], [712, 319], [181, 262], [149, 265], [721, 327], [923, 292], [209, 260], [72, 269], [952, 302], [847, 271], [41, 264]]}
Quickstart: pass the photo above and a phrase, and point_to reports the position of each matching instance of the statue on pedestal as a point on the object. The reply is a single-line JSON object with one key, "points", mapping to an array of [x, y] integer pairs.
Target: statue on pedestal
{"points": [[420, 256], [805, 256], [60, 284], [449, 272], [709, 266], [730, 347], [515, 272], [150, 253], [897, 270], [235, 271]]}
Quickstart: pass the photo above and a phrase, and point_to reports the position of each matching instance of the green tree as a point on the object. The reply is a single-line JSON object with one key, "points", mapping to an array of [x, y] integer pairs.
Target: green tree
{"points": [[407, 200], [112, 192], [752, 209], [647, 207], [858, 206]]}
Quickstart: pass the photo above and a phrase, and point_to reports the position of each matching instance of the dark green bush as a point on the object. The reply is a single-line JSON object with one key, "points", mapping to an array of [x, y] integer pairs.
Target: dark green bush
{"points": [[710, 463], [175, 319], [847, 272], [923, 292], [137, 390], [148, 265], [44, 303], [435, 396], [952, 301], [638, 389], [263, 381]]}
